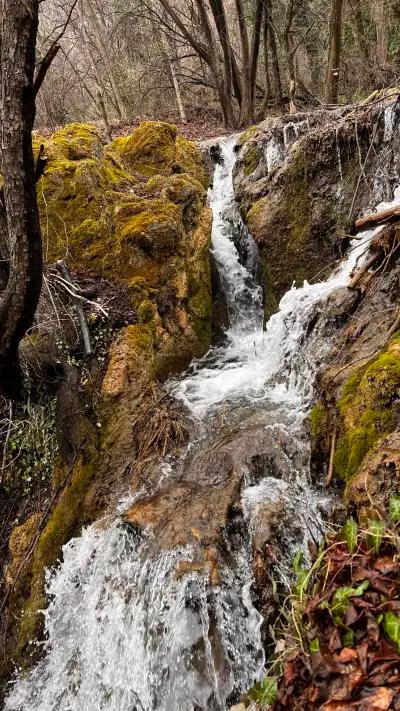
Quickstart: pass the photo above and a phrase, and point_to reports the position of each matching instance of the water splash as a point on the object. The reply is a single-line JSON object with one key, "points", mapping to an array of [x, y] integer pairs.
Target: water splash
{"points": [[389, 122], [243, 295], [125, 632], [274, 154], [293, 130]]}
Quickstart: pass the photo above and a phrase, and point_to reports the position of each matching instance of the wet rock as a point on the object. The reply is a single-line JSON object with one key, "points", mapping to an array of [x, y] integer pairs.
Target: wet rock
{"points": [[378, 479], [296, 192]]}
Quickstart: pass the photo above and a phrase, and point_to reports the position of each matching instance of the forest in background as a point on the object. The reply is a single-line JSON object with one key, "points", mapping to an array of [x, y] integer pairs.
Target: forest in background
{"points": [[230, 61]]}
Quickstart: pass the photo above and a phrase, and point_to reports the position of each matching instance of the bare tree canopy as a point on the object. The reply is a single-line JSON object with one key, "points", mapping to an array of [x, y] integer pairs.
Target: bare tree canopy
{"points": [[119, 61]]}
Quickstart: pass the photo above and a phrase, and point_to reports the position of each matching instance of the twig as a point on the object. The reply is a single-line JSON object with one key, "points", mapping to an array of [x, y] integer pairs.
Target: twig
{"points": [[331, 458], [79, 310], [3, 464]]}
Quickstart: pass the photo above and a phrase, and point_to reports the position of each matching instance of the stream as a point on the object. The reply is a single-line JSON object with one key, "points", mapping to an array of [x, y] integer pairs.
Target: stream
{"points": [[124, 631]]}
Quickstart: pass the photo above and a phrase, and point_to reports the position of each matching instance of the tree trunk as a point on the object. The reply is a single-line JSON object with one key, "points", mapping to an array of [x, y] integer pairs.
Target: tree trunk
{"points": [[19, 24], [276, 72], [103, 112], [177, 89], [359, 28], [246, 111], [267, 88], [225, 99], [381, 32], [169, 54], [335, 51], [222, 29], [103, 51], [290, 12], [255, 50]]}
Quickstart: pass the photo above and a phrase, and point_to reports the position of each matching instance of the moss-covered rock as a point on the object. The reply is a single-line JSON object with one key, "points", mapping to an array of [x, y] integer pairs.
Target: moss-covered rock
{"points": [[251, 158], [150, 150], [297, 181], [135, 213], [369, 409]]}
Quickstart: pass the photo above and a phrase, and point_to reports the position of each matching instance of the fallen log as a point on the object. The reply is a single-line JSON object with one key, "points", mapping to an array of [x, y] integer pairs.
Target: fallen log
{"points": [[378, 218], [358, 275]]}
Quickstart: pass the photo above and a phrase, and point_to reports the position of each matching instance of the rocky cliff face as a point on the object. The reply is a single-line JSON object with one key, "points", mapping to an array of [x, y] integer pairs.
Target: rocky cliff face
{"points": [[302, 179]]}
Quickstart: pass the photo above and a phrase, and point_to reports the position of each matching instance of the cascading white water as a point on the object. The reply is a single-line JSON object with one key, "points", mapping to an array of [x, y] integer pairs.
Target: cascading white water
{"points": [[243, 295], [124, 632]]}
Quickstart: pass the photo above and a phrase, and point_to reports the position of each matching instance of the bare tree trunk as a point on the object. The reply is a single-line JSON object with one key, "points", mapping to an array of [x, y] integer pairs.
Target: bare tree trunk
{"points": [[103, 51], [225, 99], [217, 9], [177, 90], [276, 72], [290, 12], [246, 107], [169, 54], [360, 30], [207, 52], [103, 112], [267, 87], [255, 49], [335, 52], [19, 24], [381, 32]]}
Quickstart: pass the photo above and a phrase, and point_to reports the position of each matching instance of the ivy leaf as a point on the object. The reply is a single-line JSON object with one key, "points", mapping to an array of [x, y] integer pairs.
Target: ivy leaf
{"points": [[341, 600], [375, 532], [350, 531], [394, 508], [391, 625]]}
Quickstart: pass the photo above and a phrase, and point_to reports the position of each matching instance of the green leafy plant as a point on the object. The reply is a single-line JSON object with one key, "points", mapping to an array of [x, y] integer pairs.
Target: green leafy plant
{"points": [[394, 509], [375, 532], [265, 692], [341, 601], [391, 625], [350, 533]]}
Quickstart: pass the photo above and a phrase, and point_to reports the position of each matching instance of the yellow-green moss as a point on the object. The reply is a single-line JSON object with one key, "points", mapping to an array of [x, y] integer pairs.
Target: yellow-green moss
{"points": [[189, 159], [318, 420], [65, 520], [74, 142], [153, 224], [251, 159], [369, 407], [99, 217], [256, 211], [247, 135], [150, 150]]}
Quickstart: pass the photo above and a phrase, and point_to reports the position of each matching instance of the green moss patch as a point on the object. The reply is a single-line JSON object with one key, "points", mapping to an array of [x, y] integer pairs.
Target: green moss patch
{"points": [[251, 159], [369, 408]]}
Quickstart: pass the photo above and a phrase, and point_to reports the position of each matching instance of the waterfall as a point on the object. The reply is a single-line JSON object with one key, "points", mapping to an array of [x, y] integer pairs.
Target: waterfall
{"points": [[123, 630]]}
